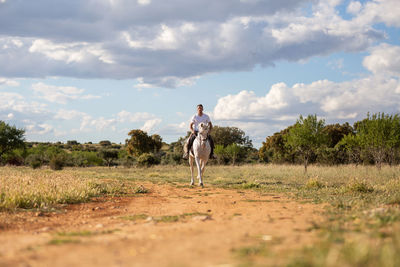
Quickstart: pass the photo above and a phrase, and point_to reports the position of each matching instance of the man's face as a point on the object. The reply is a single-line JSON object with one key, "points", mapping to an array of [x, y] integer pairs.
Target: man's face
{"points": [[199, 110]]}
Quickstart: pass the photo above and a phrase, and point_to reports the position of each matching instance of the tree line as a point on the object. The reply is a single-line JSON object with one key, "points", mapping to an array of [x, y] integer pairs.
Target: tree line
{"points": [[373, 140]]}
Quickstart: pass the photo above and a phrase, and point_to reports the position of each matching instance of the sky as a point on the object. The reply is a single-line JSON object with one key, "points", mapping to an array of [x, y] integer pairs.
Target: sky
{"points": [[94, 70]]}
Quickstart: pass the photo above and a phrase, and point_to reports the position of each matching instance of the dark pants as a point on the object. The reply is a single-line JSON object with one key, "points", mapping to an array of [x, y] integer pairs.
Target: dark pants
{"points": [[191, 140]]}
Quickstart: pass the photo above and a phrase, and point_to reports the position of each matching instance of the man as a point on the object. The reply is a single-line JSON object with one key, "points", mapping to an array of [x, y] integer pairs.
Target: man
{"points": [[194, 123]]}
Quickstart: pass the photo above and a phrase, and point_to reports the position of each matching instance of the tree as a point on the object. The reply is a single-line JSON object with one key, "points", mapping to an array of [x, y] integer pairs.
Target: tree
{"points": [[220, 152], [157, 142], [306, 137], [72, 143], [276, 149], [105, 143], [233, 151], [380, 135], [140, 143], [177, 146], [108, 155], [352, 145], [330, 153], [10, 138], [335, 133], [230, 135]]}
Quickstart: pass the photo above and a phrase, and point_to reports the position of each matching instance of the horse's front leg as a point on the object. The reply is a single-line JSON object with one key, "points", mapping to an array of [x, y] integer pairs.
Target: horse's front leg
{"points": [[199, 171], [203, 166], [191, 170]]}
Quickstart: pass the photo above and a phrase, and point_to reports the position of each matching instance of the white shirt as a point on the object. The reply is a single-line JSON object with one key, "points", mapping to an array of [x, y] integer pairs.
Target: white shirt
{"points": [[196, 119]]}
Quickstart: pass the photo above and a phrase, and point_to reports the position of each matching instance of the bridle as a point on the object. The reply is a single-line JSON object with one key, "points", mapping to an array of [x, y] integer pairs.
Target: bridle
{"points": [[203, 135]]}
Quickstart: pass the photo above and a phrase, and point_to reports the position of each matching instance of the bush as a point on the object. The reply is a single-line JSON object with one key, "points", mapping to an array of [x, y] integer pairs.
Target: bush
{"points": [[13, 158], [147, 160], [173, 158], [34, 160], [57, 163], [126, 161]]}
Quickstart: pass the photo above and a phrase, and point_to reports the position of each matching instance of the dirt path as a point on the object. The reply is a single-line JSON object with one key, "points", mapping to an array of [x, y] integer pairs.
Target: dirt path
{"points": [[171, 226]]}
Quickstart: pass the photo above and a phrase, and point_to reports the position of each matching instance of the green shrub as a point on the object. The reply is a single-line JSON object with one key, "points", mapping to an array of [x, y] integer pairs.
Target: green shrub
{"points": [[173, 158], [147, 160], [57, 163], [34, 160]]}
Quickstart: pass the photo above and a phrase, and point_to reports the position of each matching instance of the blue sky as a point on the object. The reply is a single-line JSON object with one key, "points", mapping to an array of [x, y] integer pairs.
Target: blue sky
{"points": [[94, 70]]}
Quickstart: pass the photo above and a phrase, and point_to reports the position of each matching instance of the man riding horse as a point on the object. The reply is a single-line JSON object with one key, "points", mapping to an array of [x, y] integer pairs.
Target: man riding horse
{"points": [[194, 123]]}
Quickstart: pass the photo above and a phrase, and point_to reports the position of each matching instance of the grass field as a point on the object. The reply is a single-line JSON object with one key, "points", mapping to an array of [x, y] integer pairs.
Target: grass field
{"points": [[361, 203]]}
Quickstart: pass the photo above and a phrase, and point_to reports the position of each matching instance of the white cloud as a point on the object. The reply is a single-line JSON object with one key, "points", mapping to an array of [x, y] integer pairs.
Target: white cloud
{"points": [[150, 125], [170, 82], [126, 116], [386, 11], [102, 123], [16, 103], [354, 7], [384, 59], [113, 123], [70, 52], [39, 129], [330, 99], [174, 129], [8, 82], [335, 101], [64, 114], [60, 94], [172, 45], [237, 107], [144, 2]]}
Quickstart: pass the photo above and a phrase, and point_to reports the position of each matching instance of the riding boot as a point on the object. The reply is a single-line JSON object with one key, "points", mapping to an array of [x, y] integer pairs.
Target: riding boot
{"points": [[186, 151], [212, 156], [188, 145]]}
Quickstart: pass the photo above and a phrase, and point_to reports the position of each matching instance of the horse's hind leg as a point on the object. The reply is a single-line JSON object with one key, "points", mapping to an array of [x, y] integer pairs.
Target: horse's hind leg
{"points": [[191, 170]]}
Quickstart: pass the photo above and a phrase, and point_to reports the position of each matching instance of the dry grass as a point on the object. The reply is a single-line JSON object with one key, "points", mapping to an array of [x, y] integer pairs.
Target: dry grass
{"points": [[26, 188], [362, 211]]}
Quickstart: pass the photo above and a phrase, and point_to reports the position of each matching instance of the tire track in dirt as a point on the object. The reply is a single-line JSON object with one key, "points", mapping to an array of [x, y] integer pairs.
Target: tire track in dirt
{"points": [[170, 226]]}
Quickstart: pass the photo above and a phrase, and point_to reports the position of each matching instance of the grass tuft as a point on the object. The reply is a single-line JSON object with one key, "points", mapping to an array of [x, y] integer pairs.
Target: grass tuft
{"points": [[61, 241], [141, 190], [136, 217], [360, 187], [313, 183]]}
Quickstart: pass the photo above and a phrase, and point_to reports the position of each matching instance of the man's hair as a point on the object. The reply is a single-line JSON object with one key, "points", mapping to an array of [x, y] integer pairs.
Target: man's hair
{"points": [[199, 105]]}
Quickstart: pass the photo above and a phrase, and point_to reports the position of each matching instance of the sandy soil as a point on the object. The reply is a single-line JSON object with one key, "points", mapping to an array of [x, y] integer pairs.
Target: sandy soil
{"points": [[211, 227]]}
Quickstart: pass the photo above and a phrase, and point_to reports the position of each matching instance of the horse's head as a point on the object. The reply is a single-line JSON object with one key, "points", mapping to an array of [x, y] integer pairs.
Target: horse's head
{"points": [[204, 128]]}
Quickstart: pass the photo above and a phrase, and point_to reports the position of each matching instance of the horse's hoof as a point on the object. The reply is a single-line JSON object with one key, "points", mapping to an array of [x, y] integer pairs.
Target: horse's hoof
{"points": [[201, 184], [192, 183]]}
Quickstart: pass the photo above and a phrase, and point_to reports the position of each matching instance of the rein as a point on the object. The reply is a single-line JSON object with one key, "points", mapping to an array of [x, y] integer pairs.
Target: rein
{"points": [[202, 136]]}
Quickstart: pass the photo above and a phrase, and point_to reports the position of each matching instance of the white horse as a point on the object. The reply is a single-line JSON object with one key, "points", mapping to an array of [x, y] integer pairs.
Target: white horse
{"points": [[201, 152]]}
